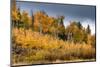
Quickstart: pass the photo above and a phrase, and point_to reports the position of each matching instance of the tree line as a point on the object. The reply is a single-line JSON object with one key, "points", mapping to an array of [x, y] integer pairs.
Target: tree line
{"points": [[45, 24]]}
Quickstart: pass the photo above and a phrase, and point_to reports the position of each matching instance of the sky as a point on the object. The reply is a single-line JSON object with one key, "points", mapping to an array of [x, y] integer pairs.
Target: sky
{"points": [[84, 14]]}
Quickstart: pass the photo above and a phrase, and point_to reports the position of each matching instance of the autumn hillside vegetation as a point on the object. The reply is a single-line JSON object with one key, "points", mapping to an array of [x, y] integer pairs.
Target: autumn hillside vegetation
{"points": [[39, 38], [34, 48]]}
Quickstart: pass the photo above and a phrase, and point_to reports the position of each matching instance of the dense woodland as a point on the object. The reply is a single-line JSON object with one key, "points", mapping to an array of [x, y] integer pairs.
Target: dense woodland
{"points": [[40, 38]]}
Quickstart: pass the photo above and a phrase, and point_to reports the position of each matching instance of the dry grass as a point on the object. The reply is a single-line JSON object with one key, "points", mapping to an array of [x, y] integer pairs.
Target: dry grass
{"points": [[39, 48]]}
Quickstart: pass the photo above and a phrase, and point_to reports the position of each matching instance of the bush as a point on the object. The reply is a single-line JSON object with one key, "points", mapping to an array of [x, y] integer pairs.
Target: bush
{"points": [[34, 47]]}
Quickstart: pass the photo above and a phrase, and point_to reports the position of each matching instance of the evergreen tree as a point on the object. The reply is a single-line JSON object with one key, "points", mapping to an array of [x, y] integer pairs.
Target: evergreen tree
{"points": [[19, 17], [61, 28], [88, 30], [79, 25], [32, 20]]}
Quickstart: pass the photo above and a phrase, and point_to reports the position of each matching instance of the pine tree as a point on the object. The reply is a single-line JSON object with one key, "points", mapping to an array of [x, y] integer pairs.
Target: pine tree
{"points": [[88, 30], [79, 25], [61, 28], [19, 17], [32, 20]]}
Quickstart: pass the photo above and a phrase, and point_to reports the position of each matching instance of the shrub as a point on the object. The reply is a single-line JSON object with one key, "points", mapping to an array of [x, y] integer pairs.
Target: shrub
{"points": [[34, 47]]}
